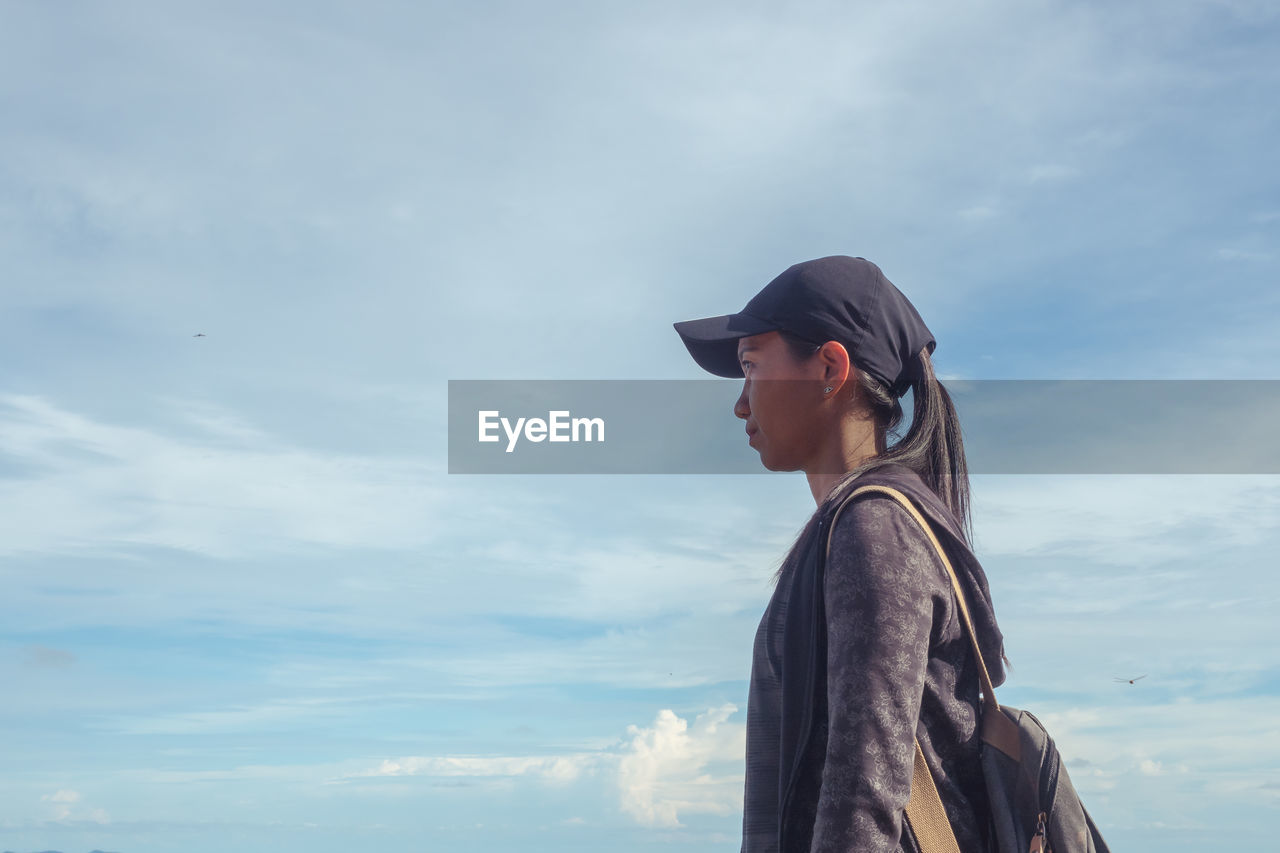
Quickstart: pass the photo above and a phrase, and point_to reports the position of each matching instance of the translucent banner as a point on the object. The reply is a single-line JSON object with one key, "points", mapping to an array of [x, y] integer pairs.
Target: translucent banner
{"points": [[1009, 426]]}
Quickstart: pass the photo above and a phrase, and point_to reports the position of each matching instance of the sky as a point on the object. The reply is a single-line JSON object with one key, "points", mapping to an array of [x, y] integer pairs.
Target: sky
{"points": [[243, 604]]}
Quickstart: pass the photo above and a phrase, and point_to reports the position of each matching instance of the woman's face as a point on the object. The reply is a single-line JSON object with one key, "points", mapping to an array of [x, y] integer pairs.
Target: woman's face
{"points": [[780, 401]]}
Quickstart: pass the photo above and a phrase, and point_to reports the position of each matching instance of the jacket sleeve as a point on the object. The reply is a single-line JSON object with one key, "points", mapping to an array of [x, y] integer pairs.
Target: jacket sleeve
{"points": [[880, 593]]}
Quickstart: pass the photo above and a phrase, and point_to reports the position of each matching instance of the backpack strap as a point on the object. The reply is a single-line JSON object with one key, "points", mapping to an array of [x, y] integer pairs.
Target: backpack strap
{"points": [[925, 812]]}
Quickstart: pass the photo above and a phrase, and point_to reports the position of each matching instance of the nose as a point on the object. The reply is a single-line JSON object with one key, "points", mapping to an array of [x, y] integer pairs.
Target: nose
{"points": [[740, 408]]}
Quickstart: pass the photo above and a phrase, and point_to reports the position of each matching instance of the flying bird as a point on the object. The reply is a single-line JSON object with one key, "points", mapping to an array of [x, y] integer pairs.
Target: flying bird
{"points": [[1128, 680], [199, 335]]}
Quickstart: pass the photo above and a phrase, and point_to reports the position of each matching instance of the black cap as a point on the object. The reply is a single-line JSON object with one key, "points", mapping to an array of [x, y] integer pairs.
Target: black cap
{"points": [[837, 298]]}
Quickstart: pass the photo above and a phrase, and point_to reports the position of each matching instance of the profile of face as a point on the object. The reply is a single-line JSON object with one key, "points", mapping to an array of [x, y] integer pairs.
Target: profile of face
{"points": [[782, 400]]}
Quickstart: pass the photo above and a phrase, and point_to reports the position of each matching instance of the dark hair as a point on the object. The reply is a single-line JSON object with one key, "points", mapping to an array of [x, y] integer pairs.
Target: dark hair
{"points": [[932, 447]]}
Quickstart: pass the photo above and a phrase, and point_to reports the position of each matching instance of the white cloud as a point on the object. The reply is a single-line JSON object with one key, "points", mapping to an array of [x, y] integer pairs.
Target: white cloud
{"points": [[44, 656], [65, 807], [663, 771], [1051, 173], [555, 769], [1183, 748], [668, 767], [271, 714], [1130, 521], [229, 490], [63, 796], [979, 212], [1243, 255], [1096, 578]]}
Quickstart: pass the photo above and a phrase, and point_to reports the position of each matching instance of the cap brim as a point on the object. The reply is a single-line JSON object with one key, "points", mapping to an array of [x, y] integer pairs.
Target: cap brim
{"points": [[713, 341]]}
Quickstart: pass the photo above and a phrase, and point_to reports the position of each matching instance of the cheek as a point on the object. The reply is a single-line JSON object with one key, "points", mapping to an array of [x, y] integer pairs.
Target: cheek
{"points": [[780, 409], [764, 405], [790, 414]]}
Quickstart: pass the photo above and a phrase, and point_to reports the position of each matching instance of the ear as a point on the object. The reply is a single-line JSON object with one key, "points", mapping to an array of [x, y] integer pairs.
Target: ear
{"points": [[836, 367]]}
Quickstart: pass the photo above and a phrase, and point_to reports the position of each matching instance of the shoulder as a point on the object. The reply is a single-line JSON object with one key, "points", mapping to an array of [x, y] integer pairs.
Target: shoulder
{"points": [[874, 518], [875, 536]]}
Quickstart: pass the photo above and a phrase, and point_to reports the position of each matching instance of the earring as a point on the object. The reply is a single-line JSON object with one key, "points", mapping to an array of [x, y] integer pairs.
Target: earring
{"points": [[826, 390]]}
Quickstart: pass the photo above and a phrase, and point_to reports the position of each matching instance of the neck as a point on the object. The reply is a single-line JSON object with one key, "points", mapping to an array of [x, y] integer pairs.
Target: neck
{"points": [[851, 445]]}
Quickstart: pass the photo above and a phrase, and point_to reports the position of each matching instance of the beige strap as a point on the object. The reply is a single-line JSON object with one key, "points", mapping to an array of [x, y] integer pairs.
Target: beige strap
{"points": [[925, 812]]}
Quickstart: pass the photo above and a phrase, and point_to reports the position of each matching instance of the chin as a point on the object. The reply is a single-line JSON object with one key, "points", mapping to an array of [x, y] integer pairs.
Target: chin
{"points": [[772, 464]]}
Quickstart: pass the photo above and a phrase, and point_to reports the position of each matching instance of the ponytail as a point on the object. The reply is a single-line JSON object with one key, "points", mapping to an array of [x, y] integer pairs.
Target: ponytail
{"points": [[933, 447]]}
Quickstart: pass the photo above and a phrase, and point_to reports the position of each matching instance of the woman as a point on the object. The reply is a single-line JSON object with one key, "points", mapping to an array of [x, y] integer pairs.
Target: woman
{"points": [[858, 655]]}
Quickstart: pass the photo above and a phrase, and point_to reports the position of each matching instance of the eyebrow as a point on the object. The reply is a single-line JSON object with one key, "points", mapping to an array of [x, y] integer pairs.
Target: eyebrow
{"points": [[748, 348]]}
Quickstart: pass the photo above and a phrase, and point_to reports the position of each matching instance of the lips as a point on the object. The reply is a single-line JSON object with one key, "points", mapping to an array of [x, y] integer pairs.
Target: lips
{"points": [[751, 433]]}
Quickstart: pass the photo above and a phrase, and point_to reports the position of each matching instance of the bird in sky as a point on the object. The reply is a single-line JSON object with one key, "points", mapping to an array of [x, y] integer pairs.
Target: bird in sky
{"points": [[199, 335], [1129, 680]]}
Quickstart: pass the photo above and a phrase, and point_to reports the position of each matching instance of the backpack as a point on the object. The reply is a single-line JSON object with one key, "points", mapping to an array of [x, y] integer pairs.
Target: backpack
{"points": [[1034, 807]]}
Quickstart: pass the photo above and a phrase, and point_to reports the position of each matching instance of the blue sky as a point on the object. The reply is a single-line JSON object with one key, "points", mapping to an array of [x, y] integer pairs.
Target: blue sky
{"points": [[244, 605]]}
